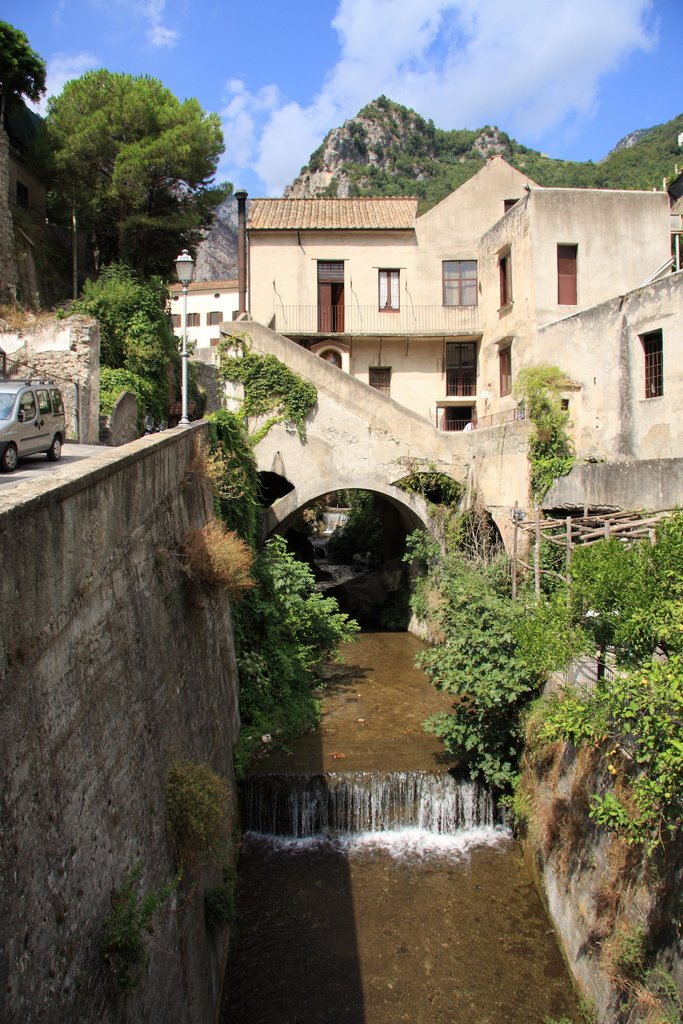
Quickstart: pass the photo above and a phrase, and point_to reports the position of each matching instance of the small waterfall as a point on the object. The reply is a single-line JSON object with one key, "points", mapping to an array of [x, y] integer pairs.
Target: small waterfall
{"points": [[353, 802], [333, 520]]}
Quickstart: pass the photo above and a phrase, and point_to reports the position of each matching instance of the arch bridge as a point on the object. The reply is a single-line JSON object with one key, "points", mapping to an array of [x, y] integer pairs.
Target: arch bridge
{"points": [[359, 438]]}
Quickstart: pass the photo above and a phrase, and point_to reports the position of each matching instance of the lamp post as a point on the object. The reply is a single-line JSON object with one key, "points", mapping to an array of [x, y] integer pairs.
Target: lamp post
{"points": [[184, 266]]}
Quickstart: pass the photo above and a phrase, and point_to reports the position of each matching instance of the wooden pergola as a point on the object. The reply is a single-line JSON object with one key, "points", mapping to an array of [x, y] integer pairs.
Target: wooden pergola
{"points": [[572, 531]]}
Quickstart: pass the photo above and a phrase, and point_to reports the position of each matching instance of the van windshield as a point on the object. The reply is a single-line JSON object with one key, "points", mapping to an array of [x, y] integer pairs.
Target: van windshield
{"points": [[6, 405]]}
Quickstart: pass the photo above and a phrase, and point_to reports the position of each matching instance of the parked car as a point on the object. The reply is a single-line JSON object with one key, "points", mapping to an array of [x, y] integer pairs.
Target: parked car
{"points": [[31, 420]]}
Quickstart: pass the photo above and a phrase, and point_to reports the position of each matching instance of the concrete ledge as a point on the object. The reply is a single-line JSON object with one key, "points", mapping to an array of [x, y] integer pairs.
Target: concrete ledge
{"points": [[648, 484]]}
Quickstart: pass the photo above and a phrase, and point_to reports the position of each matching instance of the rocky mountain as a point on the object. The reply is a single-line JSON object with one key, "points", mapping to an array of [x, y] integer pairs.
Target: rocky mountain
{"points": [[388, 149]]}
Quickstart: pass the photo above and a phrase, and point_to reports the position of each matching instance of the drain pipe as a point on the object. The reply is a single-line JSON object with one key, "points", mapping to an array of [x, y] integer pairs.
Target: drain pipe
{"points": [[241, 198]]}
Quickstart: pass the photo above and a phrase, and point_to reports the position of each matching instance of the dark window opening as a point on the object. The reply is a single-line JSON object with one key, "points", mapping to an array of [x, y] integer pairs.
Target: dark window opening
{"points": [[214, 318], [505, 271], [566, 275], [653, 349], [508, 204], [380, 379], [22, 195], [458, 417], [461, 368], [459, 282], [505, 367]]}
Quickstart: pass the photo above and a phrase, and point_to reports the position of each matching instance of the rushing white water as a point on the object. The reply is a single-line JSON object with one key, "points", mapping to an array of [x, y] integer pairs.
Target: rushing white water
{"points": [[408, 845], [353, 803]]}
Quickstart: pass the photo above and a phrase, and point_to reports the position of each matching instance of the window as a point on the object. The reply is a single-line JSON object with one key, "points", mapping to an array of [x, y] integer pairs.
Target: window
{"points": [[460, 282], [505, 367], [22, 195], [653, 348], [508, 204], [458, 417], [57, 403], [505, 271], [566, 275], [175, 320], [193, 319], [27, 405], [330, 355], [214, 318], [388, 289], [380, 379], [461, 368], [44, 405], [330, 296]]}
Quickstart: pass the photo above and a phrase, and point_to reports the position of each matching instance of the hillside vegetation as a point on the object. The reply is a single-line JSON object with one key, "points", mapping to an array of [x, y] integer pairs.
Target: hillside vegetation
{"points": [[388, 149]]}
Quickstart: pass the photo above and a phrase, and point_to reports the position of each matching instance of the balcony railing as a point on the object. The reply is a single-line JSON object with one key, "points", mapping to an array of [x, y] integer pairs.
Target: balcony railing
{"points": [[353, 319]]}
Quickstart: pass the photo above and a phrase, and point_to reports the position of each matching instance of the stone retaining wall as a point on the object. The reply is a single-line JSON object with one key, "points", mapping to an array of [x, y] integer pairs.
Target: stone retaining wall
{"points": [[112, 664]]}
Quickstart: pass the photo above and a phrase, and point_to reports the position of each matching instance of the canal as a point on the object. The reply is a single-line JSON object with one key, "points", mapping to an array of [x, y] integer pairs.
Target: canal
{"points": [[375, 887]]}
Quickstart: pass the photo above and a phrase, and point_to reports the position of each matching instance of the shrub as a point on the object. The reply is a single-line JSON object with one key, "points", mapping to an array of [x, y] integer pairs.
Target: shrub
{"points": [[218, 558], [219, 904], [198, 808], [124, 939]]}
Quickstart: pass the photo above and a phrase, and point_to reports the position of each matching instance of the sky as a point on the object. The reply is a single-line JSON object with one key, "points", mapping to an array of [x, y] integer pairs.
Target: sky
{"points": [[568, 77]]}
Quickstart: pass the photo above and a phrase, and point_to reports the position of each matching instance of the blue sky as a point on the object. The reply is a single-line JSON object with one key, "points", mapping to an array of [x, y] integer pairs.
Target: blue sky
{"points": [[568, 77]]}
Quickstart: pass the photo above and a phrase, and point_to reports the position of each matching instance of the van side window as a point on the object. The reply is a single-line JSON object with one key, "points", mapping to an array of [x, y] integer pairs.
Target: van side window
{"points": [[44, 401], [28, 405], [57, 403]]}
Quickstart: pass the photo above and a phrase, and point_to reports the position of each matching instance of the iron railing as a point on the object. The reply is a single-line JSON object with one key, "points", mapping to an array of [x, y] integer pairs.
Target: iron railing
{"points": [[353, 319]]}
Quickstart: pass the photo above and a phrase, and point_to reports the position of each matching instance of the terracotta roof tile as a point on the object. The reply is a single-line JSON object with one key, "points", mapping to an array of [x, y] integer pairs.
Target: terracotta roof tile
{"points": [[332, 214], [206, 286]]}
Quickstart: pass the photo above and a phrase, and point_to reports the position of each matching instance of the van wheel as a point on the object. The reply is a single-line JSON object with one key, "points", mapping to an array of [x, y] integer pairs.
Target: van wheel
{"points": [[9, 458], [54, 452]]}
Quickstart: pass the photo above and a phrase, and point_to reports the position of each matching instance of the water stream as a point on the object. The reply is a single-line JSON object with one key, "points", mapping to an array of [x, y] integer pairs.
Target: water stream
{"points": [[375, 885]]}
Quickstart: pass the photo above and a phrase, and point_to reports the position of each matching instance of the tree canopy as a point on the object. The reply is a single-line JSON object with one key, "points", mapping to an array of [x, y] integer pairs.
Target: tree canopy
{"points": [[22, 71], [137, 164]]}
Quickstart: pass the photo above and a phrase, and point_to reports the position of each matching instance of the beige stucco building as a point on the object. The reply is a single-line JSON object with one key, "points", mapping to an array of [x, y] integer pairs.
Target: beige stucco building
{"points": [[441, 310]]}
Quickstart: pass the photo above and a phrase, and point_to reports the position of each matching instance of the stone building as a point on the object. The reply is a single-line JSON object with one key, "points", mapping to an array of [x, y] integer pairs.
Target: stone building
{"points": [[441, 310]]}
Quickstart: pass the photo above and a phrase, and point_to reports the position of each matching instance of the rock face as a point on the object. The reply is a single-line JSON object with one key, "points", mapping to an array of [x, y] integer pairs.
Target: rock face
{"points": [[217, 253]]}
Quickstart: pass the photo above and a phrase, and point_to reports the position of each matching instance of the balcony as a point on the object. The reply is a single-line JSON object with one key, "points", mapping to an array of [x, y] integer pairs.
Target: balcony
{"points": [[359, 320]]}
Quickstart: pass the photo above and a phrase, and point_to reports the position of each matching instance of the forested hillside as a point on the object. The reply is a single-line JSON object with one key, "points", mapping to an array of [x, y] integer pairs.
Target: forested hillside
{"points": [[388, 149]]}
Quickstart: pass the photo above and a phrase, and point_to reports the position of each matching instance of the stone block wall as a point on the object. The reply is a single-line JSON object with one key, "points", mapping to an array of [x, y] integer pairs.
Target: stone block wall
{"points": [[68, 352], [112, 664], [8, 262]]}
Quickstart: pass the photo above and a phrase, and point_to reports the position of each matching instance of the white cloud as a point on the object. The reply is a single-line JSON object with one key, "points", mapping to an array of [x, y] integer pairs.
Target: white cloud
{"points": [[158, 34], [464, 64], [62, 68]]}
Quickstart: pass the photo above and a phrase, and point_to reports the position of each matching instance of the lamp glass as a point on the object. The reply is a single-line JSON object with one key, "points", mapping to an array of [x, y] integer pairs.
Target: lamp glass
{"points": [[184, 267]]}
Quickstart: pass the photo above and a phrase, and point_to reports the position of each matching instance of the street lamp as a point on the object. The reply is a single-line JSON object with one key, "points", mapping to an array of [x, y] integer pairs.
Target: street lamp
{"points": [[184, 267]]}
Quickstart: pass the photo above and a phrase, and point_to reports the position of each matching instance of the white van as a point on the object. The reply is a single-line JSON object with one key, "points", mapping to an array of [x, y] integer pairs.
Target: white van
{"points": [[31, 420]]}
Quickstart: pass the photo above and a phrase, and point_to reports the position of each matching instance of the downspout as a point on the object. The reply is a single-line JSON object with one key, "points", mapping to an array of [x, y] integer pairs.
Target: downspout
{"points": [[241, 198]]}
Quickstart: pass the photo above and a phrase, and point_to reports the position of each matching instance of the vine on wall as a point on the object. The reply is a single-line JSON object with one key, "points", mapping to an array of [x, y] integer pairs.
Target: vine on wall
{"points": [[551, 451]]}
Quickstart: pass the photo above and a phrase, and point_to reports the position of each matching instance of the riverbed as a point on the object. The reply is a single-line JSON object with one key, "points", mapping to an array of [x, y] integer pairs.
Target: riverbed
{"points": [[430, 918]]}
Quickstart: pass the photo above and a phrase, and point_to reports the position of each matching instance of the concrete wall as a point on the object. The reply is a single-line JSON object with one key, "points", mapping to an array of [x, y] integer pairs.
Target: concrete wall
{"points": [[648, 484], [111, 664], [68, 352]]}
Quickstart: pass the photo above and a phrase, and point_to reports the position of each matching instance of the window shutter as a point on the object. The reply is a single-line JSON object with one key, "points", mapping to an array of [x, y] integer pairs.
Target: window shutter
{"points": [[331, 271], [566, 275]]}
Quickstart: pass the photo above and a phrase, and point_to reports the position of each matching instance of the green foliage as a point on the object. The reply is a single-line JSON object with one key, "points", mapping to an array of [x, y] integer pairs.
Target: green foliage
{"points": [[284, 630], [632, 596], [198, 802], [233, 473], [135, 331], [270, 388], [635, 721], [362, 531], [625, 952], [114, 382], [547, 638], [22, 71], [219, 904], [478, 663], [138, 165], [434, 486], [551, 451], [417, 159], [126, 927]]}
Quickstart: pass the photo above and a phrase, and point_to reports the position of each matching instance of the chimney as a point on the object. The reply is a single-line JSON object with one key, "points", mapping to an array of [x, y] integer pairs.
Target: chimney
{"points": [[241, 198]]}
